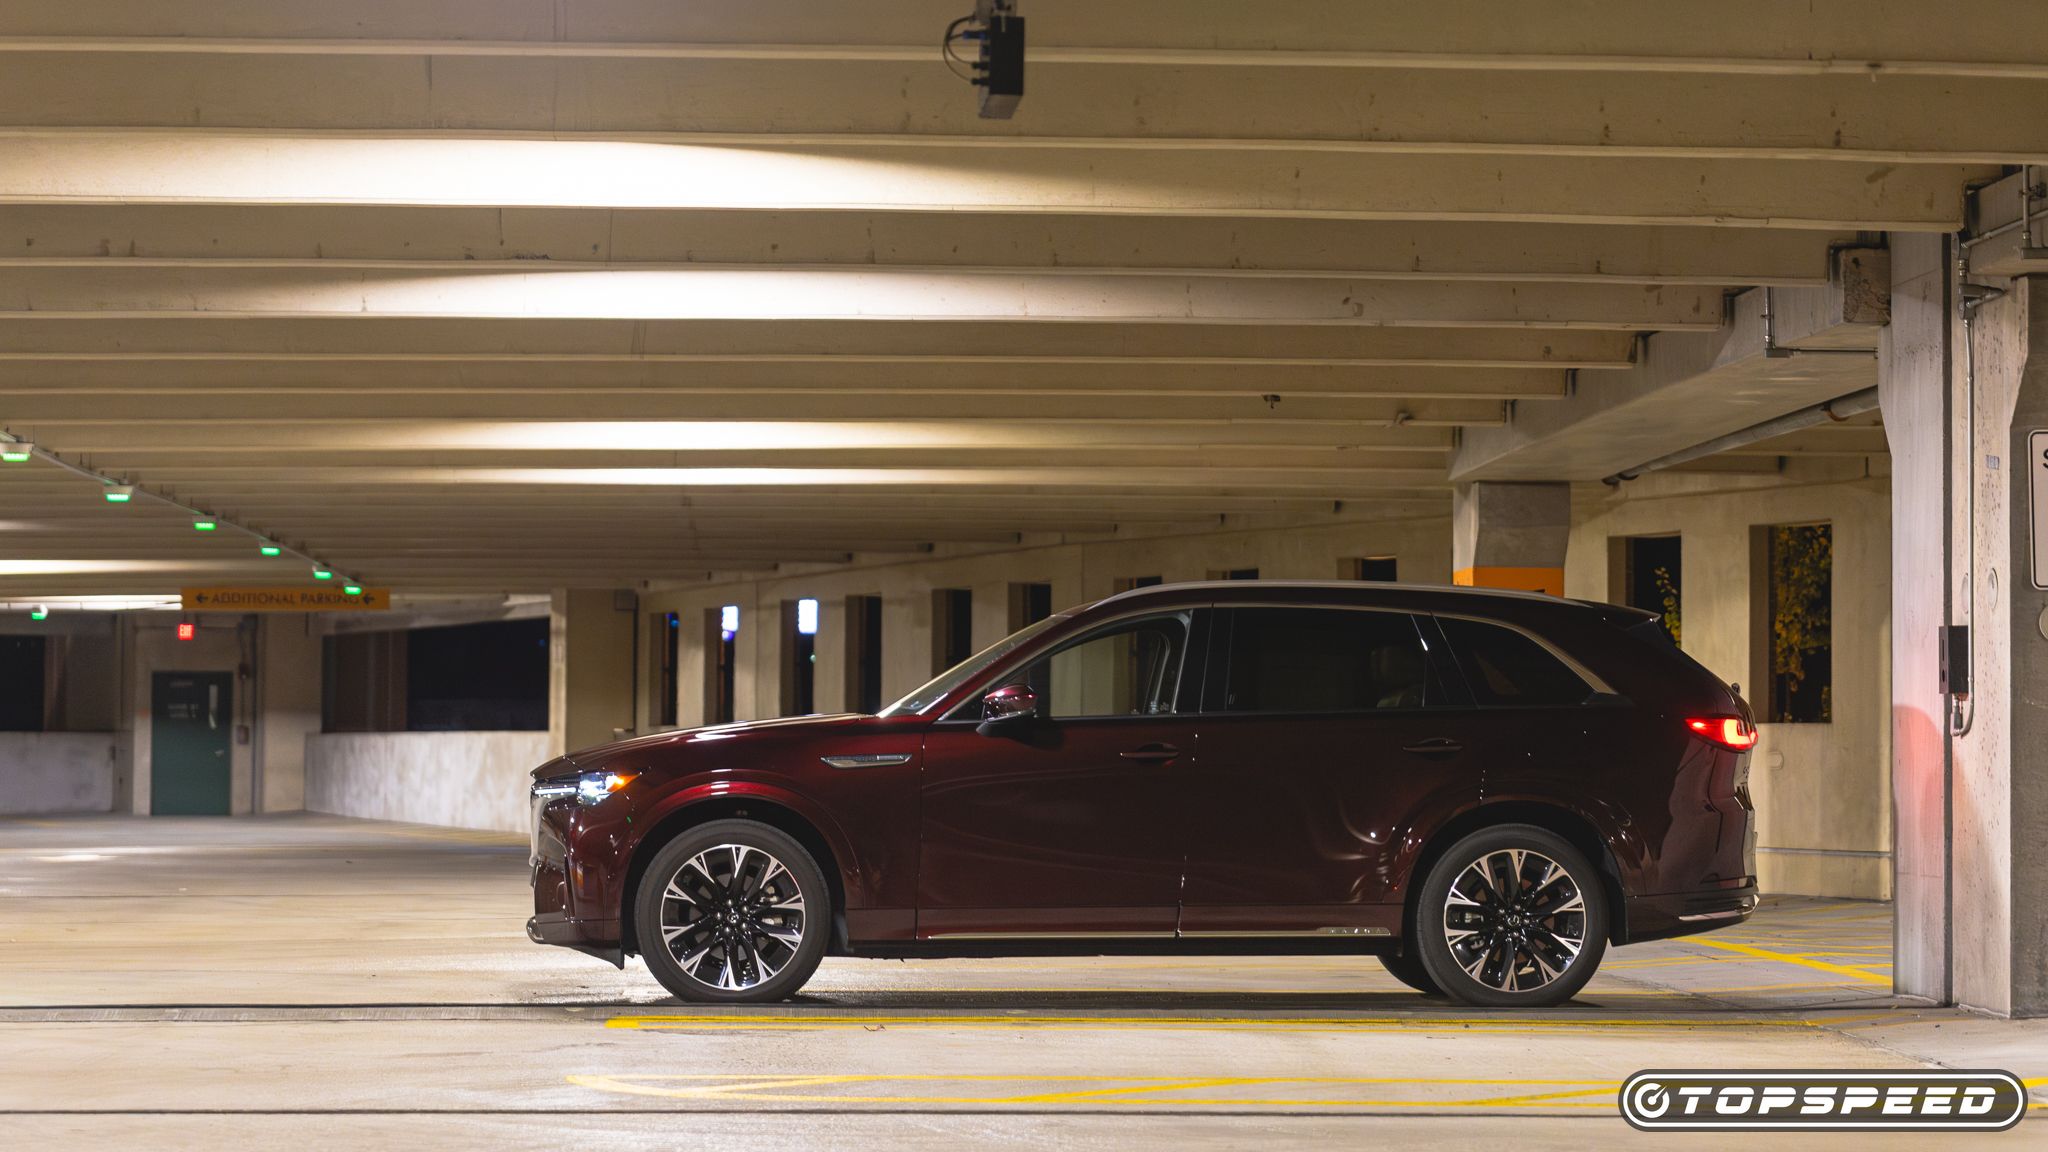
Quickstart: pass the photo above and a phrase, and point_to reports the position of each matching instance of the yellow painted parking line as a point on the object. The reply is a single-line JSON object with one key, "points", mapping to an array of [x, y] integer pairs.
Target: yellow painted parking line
{"points": [[1122, 1091], [1791, 958], [823, 1022]]}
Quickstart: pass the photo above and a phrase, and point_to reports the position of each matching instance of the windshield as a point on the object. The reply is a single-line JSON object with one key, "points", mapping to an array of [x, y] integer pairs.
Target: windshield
{"points": [[942, 685]]}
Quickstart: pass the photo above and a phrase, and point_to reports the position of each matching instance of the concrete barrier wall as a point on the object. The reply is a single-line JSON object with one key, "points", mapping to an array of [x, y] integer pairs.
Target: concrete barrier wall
{"points": [[49, 772], [455, 779]]}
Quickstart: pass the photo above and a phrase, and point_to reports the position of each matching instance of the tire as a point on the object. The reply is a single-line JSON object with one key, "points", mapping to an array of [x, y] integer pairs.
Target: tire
{"points": [[746, 907], [1518, 956], [1408, 969]]}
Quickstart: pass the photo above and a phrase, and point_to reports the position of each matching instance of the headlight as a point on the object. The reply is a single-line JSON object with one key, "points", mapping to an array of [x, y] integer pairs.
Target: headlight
{"points": [[592, 787]]}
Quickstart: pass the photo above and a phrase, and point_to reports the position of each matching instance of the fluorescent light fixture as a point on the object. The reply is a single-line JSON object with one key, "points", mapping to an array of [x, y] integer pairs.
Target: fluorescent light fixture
{"points": [[807, 617], [120, 493], [39, 612], [352, 589], [729, 620], [322, 574], [272, 550], [17, 452], [204, 525]]}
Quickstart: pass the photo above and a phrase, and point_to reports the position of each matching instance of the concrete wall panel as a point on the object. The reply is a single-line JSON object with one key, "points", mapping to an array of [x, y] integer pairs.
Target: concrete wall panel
{"points": [[454, 779], [49, 772]]}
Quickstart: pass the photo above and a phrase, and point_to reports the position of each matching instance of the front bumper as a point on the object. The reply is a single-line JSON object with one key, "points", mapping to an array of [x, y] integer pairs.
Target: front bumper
{"points": [[555, 920], [599, 938]]}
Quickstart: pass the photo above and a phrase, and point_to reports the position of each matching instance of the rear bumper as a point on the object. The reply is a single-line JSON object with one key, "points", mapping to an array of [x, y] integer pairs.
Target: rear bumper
{"points": [[1684, 913], [599, 938]]}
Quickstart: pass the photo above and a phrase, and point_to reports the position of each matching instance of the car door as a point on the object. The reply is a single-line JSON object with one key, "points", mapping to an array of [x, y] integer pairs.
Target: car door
{"points": [[1067, 824], [1329, 740]]}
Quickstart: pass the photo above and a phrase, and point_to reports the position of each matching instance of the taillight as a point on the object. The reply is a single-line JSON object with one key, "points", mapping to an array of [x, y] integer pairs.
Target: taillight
{"points": [[1730, 732]]}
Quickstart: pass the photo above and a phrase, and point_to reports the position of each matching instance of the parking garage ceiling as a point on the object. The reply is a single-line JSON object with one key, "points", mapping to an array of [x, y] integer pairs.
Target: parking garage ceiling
{"points": [[488, 295]]}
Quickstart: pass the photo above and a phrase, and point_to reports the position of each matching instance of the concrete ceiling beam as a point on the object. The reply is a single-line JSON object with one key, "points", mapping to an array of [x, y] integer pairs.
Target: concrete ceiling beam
{"points": [[499, 386], [195, 167], [1465, 34], [1836, 116], [833, 342], [463, 237], [729, 293]]}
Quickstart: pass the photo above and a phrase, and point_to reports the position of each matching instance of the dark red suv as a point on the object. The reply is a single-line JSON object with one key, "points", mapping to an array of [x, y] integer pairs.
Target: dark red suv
{"points": [[1482, 788]]}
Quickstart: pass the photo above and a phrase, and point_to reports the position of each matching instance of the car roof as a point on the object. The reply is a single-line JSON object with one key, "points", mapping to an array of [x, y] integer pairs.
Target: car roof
{"points": [[1349, 587]]}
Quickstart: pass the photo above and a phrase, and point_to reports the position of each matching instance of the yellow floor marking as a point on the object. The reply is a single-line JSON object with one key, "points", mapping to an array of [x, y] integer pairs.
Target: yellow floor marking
{"points": [[1120, 1090], [1789, 958], [799, 1022]]}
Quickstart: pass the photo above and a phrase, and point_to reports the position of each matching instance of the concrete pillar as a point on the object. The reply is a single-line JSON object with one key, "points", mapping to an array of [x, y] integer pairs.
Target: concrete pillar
{"points": [[1510, 535], [288, 674], [1915, 383], [590, 667], [1969, 775]]}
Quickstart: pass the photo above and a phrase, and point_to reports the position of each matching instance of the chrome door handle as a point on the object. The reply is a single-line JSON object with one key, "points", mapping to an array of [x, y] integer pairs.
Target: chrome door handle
{"points": [[868, 760], [1151, 754], [1441, 746]]}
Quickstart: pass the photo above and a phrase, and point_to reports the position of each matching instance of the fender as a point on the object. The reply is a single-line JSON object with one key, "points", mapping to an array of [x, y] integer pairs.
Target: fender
{"points": [[741, 785]]}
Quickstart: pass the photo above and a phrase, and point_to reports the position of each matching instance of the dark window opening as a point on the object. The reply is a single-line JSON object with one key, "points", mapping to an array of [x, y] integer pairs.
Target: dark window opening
{"points": [[1367, 568], [721, 662], [22, 683], [799, 657], [1652, 578], [864, 653], [1127, 583], [1029, 603], [952, 627], [1505, 668], [477, 677], [1794, 634], [668, 646], [1326, 660], [1233, 574]]}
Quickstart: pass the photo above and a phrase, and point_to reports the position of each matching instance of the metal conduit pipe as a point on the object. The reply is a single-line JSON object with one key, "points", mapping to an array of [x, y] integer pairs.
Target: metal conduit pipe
{"points": [[1838, 409]]}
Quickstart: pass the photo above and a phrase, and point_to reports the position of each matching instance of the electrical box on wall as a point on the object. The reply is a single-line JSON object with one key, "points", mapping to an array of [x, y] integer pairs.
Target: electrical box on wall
{"points": [[1955, 660]]}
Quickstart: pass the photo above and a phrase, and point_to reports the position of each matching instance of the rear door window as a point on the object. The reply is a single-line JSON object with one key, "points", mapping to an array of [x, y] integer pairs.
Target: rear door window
{"points": [[1324, 660], [1507, 668]]}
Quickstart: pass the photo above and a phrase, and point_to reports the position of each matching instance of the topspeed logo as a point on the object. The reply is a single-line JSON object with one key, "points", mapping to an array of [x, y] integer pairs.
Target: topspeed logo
{"points": [[1984, 1100]]}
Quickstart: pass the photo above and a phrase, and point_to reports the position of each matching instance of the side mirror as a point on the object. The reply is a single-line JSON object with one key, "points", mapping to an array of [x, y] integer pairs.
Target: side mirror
{"points": [[1008, 706]]}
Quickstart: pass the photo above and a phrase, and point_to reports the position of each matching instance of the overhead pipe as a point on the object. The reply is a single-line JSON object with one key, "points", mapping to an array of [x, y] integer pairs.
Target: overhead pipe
{"points": [[1837, 410]]}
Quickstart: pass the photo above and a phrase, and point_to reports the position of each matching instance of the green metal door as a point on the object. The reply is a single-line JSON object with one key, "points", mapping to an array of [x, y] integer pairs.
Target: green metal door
{"points": [[191, 728]]}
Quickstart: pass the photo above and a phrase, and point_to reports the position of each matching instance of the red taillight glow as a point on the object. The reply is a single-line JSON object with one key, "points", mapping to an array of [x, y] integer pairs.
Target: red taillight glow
{"points": [[1730, 732]]}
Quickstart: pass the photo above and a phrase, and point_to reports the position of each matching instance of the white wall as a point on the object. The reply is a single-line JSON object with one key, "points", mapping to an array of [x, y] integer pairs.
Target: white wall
{"points": [[48, 772], [455, 779]]}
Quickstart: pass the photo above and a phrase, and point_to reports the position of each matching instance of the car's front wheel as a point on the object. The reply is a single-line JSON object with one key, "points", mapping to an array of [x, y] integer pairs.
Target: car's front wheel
{"points": [[1512, 917], [733, 912]]}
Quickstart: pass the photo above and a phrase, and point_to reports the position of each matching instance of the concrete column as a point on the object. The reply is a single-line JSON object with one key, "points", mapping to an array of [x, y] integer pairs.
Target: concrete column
{"points": [[1969, 775], [590, 667], [1915, 382], [1510, 535], [288, 672]]}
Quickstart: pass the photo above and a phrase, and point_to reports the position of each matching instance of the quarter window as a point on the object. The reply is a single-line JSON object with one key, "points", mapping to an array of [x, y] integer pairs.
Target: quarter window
{"points": [[1130, 668], [1506, 668], [1326, 660]]}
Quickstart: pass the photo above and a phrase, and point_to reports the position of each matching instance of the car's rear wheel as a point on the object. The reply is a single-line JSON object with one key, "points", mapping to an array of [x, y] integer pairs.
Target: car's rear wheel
{"points": [[733, 912], [1512, 917], [1408, 969]]}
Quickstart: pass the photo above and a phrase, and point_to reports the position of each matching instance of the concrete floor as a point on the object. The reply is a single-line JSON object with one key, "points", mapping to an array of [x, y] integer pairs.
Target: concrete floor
{"points": [[333, 983]]}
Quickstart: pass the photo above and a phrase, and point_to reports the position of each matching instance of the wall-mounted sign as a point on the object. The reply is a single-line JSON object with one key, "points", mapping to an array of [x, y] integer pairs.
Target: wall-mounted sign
{"points": [[284, 600], [2037, 490]]}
